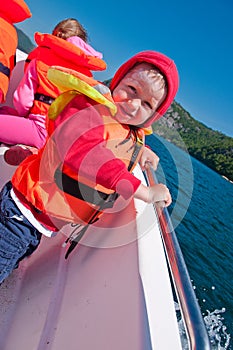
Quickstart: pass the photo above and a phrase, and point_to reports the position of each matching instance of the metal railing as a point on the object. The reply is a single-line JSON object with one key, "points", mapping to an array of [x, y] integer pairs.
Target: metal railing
{"points": [[194, 324]]}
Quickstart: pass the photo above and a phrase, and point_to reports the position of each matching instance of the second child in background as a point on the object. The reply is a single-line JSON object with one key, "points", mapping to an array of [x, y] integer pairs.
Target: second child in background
{"points": [[67, 47]]}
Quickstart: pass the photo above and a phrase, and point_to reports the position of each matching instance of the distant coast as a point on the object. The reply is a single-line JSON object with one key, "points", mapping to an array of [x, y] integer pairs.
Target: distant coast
{"points": [[212, 148]]}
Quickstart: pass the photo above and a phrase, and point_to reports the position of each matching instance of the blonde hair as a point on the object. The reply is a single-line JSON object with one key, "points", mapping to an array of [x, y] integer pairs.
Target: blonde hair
{"points": [[155, 73], [157, 76], [70, 27]]}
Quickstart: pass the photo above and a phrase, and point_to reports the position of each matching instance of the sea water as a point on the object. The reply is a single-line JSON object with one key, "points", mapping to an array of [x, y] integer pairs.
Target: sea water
{"points": [[202, 216]]}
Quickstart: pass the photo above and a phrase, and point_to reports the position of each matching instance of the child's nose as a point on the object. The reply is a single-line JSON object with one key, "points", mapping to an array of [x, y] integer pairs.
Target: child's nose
{"points": [[134, 104]]}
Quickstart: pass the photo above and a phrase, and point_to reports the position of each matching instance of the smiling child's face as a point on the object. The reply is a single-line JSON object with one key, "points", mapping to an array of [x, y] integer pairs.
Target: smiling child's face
{"points": [[139, 94]]}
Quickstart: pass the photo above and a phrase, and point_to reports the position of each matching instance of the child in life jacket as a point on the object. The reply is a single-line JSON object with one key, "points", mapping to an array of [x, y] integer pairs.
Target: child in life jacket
{"points": [[87, 161], [66, 47], [12, 11]]}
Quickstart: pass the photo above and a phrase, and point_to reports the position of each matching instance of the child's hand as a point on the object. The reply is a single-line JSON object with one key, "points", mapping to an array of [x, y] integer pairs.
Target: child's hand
{"points": [[149, 156], [158, 193]]}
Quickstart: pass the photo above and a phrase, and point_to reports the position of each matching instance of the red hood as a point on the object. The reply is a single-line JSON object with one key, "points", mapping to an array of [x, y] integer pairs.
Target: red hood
{"points": [[165, 65]]}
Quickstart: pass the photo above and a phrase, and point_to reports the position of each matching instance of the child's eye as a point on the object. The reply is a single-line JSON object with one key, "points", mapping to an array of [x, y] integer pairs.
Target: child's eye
{"points": [[132, 88], [147, 104]]}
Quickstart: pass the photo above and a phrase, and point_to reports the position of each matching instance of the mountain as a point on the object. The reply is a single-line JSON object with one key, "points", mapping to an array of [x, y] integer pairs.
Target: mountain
{"points": [[211, 147], [24, 43]]}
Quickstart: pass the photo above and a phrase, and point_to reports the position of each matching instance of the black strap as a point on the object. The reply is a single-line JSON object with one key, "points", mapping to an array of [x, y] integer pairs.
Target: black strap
{"points": [[5, 70], [137, 147], [75, 241], [135, 153], [84, 192], [43, 98]]}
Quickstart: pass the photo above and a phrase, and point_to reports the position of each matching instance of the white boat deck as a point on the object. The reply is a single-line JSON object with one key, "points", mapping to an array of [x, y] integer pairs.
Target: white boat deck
{"points": [[113, 292]]}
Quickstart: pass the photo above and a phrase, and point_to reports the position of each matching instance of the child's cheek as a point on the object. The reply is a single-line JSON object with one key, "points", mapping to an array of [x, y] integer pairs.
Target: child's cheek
{"points": [[119, 95]]}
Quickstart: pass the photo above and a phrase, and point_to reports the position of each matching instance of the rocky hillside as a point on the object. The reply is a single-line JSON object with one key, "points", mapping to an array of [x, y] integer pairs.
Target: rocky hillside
{"points": [[211, 147]]}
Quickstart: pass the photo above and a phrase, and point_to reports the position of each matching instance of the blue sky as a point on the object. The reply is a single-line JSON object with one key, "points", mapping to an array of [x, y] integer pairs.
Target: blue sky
{"points": [[198, 36]]}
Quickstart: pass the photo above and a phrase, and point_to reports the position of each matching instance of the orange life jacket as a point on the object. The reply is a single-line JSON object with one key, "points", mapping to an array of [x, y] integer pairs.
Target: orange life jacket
{"points": [[55, 189], [64, 50], [10, 12], [14, 10], [56, 51], [8, 44]]}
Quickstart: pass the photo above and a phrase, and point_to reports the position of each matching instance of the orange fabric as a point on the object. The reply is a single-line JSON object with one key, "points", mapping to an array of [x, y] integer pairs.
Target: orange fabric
{"points": [[8, 45], [11, 11], [111, 134], [14, 10]]}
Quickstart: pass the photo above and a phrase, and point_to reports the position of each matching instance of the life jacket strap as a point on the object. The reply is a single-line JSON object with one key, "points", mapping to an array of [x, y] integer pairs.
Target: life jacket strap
{"points": [[44, 98], [137, 148], [4, 70], [75, 241], [84, 192]]}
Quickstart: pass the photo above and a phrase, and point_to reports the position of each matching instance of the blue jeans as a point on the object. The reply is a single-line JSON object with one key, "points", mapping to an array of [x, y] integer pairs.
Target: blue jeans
{"points": [[18, 238]]}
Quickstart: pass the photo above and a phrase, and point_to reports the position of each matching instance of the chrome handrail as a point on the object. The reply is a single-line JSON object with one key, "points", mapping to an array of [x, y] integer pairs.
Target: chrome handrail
{"points": [[195, 328]]}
